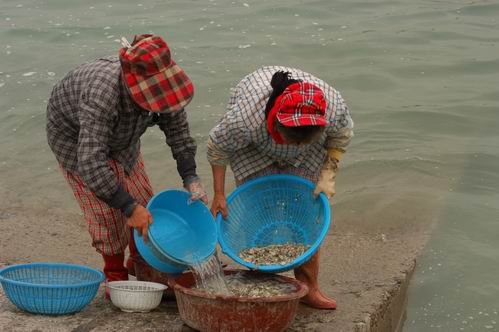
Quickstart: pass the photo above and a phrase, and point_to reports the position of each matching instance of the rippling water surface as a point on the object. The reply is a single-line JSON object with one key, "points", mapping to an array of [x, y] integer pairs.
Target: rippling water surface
{"points": [[421, 79]]}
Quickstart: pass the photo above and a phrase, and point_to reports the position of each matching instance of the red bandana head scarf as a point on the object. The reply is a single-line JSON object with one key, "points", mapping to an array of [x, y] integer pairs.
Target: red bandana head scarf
{"points": [[301, 104]]}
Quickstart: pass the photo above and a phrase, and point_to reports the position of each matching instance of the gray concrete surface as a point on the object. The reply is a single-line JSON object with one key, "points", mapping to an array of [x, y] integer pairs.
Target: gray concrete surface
{"points": [[366, 266]]}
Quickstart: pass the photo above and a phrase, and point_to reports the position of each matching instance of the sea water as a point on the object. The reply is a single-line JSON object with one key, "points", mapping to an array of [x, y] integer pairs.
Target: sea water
{"points": [[209, 276], [420, 78]]}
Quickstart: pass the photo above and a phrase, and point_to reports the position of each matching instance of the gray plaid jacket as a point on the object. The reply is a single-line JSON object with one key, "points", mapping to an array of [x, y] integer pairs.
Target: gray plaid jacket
{"points": [[91, 119]]}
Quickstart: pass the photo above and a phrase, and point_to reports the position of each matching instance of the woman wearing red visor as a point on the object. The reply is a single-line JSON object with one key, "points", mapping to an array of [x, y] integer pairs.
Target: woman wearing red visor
{"points": [[282, 121]]}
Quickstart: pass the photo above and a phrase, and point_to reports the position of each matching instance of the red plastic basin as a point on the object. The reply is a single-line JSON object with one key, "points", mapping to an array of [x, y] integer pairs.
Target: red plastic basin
{"points": [[207, 312]]}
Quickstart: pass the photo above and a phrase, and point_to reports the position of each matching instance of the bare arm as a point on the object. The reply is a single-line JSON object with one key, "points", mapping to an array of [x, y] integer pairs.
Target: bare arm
{"points": [[219, 203]]}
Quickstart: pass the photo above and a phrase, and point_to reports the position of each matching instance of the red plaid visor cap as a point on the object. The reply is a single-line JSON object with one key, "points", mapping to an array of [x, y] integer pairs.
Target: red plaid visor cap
{"points": [[153, 79]]}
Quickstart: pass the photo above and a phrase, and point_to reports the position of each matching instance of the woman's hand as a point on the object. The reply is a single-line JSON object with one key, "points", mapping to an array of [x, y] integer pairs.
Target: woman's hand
{"points": [[219, 204], [140, 220], [326, 184], [327, 179], [197, 191]]}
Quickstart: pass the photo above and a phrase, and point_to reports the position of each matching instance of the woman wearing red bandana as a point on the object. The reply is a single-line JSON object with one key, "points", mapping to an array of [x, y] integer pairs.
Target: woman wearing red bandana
{"points": [[282, 121]]}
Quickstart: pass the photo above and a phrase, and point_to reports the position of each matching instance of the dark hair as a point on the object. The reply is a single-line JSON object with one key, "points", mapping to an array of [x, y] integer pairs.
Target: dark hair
{"points": [[279, 82], [301, 134]]}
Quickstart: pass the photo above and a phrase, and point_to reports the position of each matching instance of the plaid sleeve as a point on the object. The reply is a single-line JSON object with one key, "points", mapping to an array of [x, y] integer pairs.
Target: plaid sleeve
{"points": [[228, 136], [340, 133], [176, 129], [96, 118]]}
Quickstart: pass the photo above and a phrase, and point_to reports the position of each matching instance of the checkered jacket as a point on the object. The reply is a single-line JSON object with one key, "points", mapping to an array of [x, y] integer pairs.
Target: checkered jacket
{"points": [[91, 119], [241, 138]]}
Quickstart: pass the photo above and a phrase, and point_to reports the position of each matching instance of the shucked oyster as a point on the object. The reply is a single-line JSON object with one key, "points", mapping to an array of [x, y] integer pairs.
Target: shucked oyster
{"points": [[243, 285], [275, 254]]}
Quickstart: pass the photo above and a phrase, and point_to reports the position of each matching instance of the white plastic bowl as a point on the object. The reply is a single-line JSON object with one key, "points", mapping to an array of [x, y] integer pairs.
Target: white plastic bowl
{"points": [[135, 296]]}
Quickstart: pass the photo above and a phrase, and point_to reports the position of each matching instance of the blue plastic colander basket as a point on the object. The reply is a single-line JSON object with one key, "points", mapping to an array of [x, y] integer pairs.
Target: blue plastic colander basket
{"points": [[50, 288], [274, 209]]}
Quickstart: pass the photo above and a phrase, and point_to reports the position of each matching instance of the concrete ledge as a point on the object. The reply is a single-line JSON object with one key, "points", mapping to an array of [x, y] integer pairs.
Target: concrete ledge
{"points": [[370, 283], [365, 270], [390, 315]]}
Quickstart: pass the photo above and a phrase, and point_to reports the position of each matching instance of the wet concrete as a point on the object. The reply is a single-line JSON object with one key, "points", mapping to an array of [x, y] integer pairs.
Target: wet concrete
{"points": [[368, 299], [366, 268]]}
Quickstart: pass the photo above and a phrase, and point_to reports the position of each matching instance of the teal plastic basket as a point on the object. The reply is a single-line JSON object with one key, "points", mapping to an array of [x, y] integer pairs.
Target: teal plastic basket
{"points": [[274, 209], [50, 288], [183, 233]]}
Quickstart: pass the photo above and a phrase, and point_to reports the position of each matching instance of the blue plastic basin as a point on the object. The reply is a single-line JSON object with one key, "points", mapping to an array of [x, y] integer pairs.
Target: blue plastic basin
{"points": [[181, 234]]}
